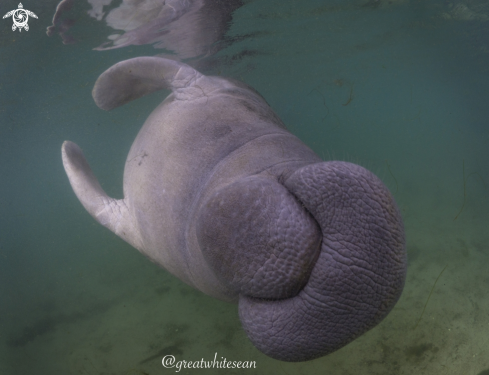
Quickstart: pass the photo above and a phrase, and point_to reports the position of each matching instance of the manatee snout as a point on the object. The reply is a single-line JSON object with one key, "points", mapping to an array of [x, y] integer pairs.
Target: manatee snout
{"points": [[355, 281], [234, 205], [258, 238]]}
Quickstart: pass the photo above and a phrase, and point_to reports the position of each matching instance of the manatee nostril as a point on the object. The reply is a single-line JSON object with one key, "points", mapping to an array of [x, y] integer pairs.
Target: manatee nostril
{"points": [[258, 239]]}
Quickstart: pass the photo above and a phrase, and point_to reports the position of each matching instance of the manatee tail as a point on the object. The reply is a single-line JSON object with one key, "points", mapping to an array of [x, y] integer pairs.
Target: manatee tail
{"points": [[111, 213], [140, 76]]}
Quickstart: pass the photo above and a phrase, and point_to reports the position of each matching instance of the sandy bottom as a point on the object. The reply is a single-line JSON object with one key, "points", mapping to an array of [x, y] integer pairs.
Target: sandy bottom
{"points": [[142, 314]]}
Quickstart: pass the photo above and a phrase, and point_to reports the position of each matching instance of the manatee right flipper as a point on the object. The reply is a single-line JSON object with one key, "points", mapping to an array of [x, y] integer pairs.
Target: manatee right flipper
{"points": [[111, 213], [123, 82], [134, 78]]}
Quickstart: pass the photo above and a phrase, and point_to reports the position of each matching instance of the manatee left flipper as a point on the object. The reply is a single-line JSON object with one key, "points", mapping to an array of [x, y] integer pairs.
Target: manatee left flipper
{"points": [[111, 213]]}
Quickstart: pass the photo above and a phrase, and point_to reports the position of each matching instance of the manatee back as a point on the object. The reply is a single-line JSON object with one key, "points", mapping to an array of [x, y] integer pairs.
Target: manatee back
{"points": [[200, 138]]}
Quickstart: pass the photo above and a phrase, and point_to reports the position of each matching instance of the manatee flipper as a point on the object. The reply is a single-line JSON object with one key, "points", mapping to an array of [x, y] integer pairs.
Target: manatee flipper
{"points": [[111, 213], [137, 77]]}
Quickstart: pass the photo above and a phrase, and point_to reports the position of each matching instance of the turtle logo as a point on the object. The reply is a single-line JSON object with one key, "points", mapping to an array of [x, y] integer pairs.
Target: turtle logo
{"points": [[20, 17]]}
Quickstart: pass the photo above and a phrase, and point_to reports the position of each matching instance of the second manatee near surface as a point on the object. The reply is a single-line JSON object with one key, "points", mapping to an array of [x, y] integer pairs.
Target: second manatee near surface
{"points": [[220, 194]]}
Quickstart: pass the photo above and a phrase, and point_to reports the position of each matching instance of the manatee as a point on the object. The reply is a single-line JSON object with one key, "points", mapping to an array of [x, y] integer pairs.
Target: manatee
{"points": [[220, 194]]}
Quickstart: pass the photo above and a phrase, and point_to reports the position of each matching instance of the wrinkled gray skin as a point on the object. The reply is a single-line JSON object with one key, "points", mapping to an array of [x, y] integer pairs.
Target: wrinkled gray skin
{"points": [[220, 194]]}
